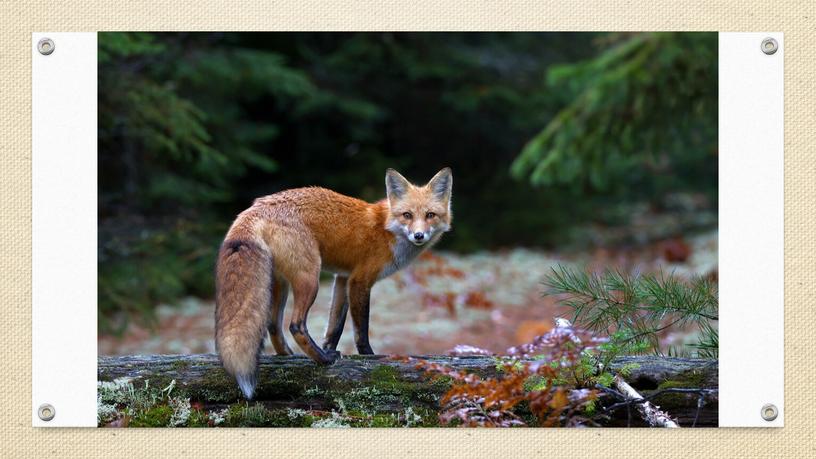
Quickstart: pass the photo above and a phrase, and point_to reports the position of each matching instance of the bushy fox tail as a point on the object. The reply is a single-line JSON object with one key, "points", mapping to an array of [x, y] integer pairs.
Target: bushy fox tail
{"points": [[243, 290]]}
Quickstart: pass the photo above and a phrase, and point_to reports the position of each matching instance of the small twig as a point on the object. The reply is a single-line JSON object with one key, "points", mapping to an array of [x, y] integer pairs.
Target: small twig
{"points": [[700, 403], [610, 391], [651, 414]]}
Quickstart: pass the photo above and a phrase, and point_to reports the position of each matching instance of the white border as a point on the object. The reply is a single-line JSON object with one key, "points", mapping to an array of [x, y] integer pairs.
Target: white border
{"points": [[64, 239], [751, 196], [64, 247]]}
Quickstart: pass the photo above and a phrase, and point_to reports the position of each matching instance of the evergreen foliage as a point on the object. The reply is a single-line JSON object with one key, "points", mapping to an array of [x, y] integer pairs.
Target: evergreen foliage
{"points": [[633, 309], [643, 109]]}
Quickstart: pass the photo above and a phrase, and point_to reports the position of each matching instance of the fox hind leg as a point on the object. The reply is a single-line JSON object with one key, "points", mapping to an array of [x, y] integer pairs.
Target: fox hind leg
{"points": [[277, 304], [304, 289], [337, 313]]}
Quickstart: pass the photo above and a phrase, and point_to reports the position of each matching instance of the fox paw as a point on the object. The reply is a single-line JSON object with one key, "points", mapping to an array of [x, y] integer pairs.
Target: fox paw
{"points": [[365, 350], [331, 356]]}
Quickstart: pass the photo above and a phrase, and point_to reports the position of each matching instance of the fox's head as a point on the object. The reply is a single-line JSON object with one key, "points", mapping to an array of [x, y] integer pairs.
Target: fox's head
{"points": [[419, 213]]}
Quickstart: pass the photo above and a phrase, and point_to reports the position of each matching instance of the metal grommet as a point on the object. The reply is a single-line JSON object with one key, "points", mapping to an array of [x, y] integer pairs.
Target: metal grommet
{"points": [[769, 46], [46, 412], [769, 412], [45, 46]]}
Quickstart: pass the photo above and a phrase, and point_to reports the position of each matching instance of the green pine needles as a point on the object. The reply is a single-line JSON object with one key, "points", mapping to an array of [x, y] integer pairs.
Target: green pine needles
{"points": [[636, 310]]}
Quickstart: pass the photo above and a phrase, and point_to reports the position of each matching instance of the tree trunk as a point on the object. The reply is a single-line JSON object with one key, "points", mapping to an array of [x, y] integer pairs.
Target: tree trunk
{"points": [[379, 384]]}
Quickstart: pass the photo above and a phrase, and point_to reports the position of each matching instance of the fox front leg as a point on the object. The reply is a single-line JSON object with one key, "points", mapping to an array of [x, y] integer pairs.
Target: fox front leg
{"points": [[337, 313], [359, 295]]}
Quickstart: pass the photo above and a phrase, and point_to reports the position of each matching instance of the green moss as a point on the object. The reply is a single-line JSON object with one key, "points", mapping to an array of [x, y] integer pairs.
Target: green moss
{"points": [[384, 420], [387, 392], [367, 400], [283, 418], [180, 365], [245, 415], [409, 417], [157, 416], [216, 387], [276, 383], [389, 379], [687, 380], [535, 382], [430, 418], [299, 418], [198, 418], [502, 364], [442, 383], [384, 372], [235, 413], [257, 415]]}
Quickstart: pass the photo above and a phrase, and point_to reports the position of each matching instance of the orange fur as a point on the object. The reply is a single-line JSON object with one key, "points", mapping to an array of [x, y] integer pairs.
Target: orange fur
{"points": [[285, 239]]}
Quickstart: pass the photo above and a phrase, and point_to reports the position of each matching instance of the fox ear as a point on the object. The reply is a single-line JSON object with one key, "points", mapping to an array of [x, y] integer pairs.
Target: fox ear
{"points": [[395, 185], [442, 184]]}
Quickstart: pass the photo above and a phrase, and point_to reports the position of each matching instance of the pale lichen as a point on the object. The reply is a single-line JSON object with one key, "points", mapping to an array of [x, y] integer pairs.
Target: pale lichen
{"points": [[218, 416], [411, 418], [336, 420], [181, 411]]}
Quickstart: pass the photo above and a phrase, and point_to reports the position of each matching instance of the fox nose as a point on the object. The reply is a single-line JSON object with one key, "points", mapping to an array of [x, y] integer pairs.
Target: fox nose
{"points": [[419, 236]]}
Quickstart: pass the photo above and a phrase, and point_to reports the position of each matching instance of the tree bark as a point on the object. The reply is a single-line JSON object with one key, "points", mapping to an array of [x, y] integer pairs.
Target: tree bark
{"points": [[297, 382]]}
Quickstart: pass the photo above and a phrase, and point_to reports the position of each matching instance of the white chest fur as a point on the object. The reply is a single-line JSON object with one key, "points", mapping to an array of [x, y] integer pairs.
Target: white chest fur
{"points": [[404, 252]]}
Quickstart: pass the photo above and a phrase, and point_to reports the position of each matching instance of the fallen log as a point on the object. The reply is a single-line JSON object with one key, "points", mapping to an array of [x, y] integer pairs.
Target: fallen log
{"points": [[378, 384]]}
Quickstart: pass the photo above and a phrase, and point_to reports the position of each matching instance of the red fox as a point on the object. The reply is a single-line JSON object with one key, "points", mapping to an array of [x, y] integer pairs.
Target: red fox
{"points": [[283, 242]]}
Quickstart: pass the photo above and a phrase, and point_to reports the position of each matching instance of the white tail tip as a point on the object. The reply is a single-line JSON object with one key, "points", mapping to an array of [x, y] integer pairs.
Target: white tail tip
{"points": [[247, 384]]}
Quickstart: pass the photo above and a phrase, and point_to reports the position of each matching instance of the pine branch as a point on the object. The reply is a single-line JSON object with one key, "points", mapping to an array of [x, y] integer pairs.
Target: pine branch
{"points": [[633, 309]]}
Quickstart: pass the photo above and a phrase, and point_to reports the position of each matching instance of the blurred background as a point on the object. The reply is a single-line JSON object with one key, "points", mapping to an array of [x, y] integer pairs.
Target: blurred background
{"points": [[595, 150]]}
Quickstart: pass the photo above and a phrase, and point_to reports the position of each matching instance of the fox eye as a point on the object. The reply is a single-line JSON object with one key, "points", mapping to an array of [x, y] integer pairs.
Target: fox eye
{"points": [[407, 215], [430, 215]]}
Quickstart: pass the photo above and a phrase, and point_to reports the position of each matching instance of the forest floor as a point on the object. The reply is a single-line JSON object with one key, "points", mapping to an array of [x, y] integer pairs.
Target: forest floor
{"points": [[492, 300]]}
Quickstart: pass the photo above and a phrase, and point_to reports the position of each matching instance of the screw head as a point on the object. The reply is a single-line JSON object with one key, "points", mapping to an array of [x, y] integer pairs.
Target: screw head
{"points": [[46, 412], [769, 412], [45, 46], [769, 46]]}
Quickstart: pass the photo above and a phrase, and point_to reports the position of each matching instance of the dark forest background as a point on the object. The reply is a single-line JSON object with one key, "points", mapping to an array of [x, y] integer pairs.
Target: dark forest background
{"points": [[550, 136]]}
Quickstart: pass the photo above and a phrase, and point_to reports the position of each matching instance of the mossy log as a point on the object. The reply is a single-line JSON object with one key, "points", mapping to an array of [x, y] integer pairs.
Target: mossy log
{"points": [[380, 384]]}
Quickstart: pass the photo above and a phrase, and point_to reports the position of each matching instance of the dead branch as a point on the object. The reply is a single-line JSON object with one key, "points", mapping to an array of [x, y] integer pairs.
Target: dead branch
{"points": [[649, 412]]}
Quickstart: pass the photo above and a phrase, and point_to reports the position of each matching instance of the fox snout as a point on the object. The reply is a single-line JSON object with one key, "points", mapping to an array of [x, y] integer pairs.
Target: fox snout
{"points": [[419, 231], [419, 237]]}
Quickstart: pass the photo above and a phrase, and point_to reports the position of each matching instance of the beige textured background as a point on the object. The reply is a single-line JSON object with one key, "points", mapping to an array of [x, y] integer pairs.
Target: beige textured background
{"points": [[797, 19]]}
